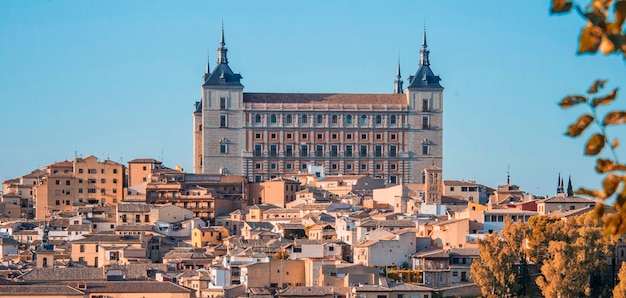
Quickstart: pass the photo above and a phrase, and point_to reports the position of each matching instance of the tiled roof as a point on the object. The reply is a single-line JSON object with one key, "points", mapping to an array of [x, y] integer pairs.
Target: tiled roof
{"points": [[564, 199], [306, 291], [409, 288], [133, 208], [325, 98], [96, 238], [432, 253], [133, 228], [59, 222], [83, 227], [135, 287], [63, 274], [144, 160], [29, 290], [371, 288], [389, 223]]}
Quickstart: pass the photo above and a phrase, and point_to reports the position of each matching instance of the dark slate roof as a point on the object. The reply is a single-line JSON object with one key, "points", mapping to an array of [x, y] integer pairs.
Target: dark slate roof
{"points": [[425, 78], [29, 290], [325, 98], [144, 160], [223, 75]]}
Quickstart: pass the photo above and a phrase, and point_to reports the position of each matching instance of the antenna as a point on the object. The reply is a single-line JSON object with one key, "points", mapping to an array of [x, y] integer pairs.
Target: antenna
{"points": [[508, 175]]}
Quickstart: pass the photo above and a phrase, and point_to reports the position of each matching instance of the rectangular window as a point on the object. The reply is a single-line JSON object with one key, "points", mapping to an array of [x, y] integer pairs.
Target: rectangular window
{"points": [[223, 121], [223, 148], [257, 135], [137, 218], [363, 136], [333, 150], [103, 180], [273, 150], [393, 136], [303, 166], [67, 182], [393, 179], [319, 150], [393, 151], [333, 166], [114, 181], [304, 150], [272, 166], [222, 103], [379, 136], [257, 178], [91, 190], [102, 191], [57, 202], [425, 105], [257, 165], [425, 122], [378, 166], [305, 136], [392, 167], [80, 171], [80, 190], [273, 136], [348, 150], [288, 150], [114, 191], [425, 149], [348, 166], [363, 166], [91, 171], [57, 182], [80, 181], [349, 136], [289, 136], [258, 149], [378, 151], [333, 136], [363, 151], [320, 136], [288, 166]]}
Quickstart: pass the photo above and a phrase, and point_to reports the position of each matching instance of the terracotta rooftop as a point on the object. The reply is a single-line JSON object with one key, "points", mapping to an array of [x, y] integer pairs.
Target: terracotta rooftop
{"points": [[144, 160], [63, 274], [300, 291], [325, 98], [135, 287], [28, 290]]}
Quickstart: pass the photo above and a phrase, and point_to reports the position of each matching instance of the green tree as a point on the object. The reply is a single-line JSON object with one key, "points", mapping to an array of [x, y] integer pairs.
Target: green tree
{"points": [[499, 270], [620, 289], [603, 32]]}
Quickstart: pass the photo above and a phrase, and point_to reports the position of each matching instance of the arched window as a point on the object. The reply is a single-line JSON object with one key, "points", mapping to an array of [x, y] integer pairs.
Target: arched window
{"points": [[288, 119], [363, 120], [349, 119], [273, 119], [304, 119], [257, 118], [320, 119], [379, 119], [393, 119], [334, 119]]}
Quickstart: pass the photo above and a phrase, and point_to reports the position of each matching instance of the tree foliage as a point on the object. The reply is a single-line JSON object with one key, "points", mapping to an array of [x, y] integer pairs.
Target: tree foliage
{"points": [[620, 289], [604, 32], [577, 262], [281, 254], [499, 270]]}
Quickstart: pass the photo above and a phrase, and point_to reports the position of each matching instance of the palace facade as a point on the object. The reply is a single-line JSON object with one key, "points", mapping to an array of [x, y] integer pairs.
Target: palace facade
{"points": [[265, 135]]}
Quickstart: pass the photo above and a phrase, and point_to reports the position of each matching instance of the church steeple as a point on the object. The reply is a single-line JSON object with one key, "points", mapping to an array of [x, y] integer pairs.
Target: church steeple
{"points": [[222, 50], [424, 51], [570, 188], [398, 82], [207, 72]]}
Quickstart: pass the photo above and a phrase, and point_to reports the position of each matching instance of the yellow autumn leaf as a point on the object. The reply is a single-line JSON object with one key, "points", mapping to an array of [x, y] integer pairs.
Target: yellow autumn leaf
{"points": [[605, 99], [615, 117], [615, 143], [559, 6], [597, 85], [611, 183], [572, 100], [596, 193], [581, 124], [595, 144], [590, 38]]}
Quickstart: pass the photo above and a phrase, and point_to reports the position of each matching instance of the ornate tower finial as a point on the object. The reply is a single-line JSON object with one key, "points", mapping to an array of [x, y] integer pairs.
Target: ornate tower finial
{"points": [[398, 81], [424, 51], [222, 50], [207, 72]]}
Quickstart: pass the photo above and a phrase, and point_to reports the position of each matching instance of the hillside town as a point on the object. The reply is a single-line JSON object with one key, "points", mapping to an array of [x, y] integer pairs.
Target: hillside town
{"points": [[105, 229]]}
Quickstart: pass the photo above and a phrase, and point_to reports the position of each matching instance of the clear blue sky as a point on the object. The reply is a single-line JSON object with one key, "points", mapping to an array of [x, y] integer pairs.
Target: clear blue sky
{"points": [[118, 79]]}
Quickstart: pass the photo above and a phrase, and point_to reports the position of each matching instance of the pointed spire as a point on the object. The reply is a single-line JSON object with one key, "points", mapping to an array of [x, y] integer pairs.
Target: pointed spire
{"points": [[570, 189], [424, 51], [558, 184], [398, 81], [207, 72], [222, 50]]}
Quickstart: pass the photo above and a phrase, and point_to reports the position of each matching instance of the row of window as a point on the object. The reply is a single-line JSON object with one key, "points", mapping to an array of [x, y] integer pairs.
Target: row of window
{"points": [[333, 166], [393, 179], [304, 120], [349, 150], [95, 171], [80, 181], [319, 119], [320, 136], [305, 150]]}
